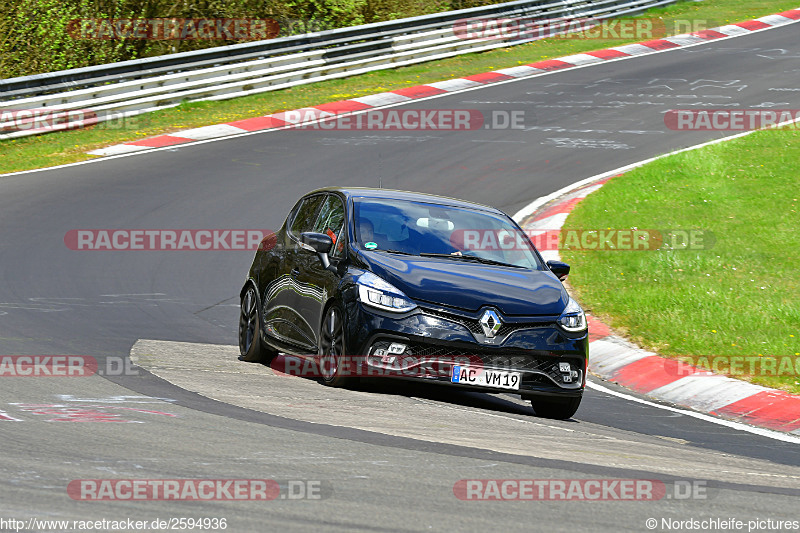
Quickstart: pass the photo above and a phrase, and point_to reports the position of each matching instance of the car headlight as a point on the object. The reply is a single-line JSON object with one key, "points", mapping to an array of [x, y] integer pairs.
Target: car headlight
{"points": [[573, 318], [375, 292]]}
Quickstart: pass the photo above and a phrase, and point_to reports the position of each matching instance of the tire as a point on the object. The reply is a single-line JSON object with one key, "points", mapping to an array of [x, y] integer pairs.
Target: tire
{"points": [[556, 408], [331, 348], [251, 348]]}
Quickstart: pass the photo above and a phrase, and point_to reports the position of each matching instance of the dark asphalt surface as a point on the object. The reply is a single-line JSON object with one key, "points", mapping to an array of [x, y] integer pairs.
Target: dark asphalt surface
{"points": [[57, 301]]}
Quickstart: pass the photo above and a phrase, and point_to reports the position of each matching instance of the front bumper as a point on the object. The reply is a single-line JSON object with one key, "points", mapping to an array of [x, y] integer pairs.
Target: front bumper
{"points": [[550, 361]]}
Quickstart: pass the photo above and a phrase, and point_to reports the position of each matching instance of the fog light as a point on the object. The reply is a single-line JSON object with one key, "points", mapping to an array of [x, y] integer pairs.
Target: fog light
{"points": [[397, 348], [388, 354]]}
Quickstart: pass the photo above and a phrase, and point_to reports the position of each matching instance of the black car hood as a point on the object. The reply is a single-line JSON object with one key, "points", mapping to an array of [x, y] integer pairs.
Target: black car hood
{"points": [[471, 285]]}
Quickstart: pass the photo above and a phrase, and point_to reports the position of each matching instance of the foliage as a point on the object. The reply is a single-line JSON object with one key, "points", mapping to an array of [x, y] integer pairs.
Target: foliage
{"points": [[39, 36]]}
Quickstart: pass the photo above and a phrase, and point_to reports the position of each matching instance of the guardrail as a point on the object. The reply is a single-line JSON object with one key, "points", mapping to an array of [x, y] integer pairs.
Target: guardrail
{"points": [[131, 87]]}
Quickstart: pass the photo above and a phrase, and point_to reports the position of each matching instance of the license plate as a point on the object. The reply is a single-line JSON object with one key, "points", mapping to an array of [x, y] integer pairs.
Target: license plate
{"points": [[485, 377]]}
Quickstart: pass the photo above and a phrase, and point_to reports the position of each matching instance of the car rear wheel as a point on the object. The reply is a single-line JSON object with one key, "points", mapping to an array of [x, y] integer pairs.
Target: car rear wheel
{"points": [[331, 349], [557, 408], [250, 347]]}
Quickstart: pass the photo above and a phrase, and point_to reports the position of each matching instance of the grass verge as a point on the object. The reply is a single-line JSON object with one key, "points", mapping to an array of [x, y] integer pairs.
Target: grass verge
{"points": [[732, 306], [69, 147]]}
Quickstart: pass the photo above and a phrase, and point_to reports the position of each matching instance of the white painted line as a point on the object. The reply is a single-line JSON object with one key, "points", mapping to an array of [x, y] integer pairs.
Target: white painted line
{"points": [[607, 356], [700, 416], [553, 222], [604, 349], [581, 59], [586, 191], [706, 393], [455, 84], [531, 208], [519, 72], [116, 149], [775, 20], [634, 49], [732, 30], [302, 115], [518, 76], [210, 132], [381, 99], [686, 40]]}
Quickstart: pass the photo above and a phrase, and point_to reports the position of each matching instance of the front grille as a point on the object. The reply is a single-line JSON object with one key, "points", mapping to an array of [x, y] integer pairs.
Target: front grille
{"points": [[474, 325], [521, 362], [525, 362]]}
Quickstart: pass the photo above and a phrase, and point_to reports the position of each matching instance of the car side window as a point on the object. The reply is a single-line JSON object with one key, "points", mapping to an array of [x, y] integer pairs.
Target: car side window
{"points": [[331, 222], [305, 215]]}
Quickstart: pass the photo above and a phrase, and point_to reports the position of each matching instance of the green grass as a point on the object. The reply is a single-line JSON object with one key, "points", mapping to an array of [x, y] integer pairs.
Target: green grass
{"points": [[738, 297], [68, 147]]}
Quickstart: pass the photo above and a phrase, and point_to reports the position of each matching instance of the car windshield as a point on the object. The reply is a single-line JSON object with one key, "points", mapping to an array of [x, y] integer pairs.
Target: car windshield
{"points": [[457, 233]]}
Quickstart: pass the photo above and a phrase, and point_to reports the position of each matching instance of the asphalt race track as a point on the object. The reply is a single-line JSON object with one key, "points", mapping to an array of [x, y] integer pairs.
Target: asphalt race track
{"points": [[385, 457]]}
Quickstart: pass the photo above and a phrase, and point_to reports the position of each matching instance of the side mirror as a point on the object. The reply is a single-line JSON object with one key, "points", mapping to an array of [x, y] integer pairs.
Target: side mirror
{"points": [[561, 270], [321, 244], [317, 242]]}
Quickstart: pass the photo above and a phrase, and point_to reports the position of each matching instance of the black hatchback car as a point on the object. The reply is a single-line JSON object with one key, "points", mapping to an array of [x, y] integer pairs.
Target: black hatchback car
{"points": [[375, 282]]}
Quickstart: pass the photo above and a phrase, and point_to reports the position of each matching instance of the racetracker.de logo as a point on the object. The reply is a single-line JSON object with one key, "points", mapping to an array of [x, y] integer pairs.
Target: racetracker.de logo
{"points": [[42, 120], [198, 489], [491, 28], [173, 489], [382, 363], [406, 120], [170, 29], [606, 239], [170, 239], [730, 119], [47, 365], [733, 365], [559, 489]]}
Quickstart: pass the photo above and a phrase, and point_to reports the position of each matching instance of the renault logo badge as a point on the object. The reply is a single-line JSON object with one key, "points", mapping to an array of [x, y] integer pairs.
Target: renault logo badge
{"points": [[490, 323]]}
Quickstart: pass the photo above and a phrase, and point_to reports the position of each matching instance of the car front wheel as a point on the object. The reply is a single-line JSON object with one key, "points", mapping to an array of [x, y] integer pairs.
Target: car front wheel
{"points": [[250, 347], [331, 349]]}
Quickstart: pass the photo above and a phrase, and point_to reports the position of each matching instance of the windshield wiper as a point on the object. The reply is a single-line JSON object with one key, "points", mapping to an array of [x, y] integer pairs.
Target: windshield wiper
{"points": [[474, 258], [395, 252]]}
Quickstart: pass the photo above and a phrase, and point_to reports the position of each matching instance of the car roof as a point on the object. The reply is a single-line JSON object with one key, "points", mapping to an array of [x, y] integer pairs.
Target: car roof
{"points": [[394, 194]]}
